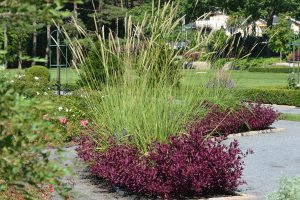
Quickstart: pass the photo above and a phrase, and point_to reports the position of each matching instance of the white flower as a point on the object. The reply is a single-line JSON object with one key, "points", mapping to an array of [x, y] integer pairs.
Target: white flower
{"points": [[60, 108], [36, 78], [12, 81], [19, 77], [67, 110], [37, 93], [45, 93], [73, 115]]}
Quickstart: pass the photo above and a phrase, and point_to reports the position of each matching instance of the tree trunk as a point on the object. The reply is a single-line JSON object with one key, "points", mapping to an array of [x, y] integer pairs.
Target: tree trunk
{"points": [[5, 45], [47, 57], [74, 60], [270, 19], [20, 53], [131, 3], [47, 63], [34, 43]]}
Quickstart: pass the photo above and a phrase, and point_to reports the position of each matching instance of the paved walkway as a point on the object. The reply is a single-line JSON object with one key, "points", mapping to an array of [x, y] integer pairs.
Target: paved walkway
{"points": [[275, 155], [287, 109]]}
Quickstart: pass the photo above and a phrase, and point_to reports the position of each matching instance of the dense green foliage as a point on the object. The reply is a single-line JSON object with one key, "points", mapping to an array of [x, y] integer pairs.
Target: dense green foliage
{"points": [[25, 127], [37, 72], [248, 63], [33, 82], [275, 69], [278, 96], [280, 36]]}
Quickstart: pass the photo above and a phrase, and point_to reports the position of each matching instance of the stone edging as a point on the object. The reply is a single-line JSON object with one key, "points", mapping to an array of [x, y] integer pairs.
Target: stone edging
{"points": [[251, 133], [237, 197]]}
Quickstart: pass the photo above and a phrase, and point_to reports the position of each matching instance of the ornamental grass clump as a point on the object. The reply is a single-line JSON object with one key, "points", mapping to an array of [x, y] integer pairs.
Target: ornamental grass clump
{"points": [[140, 112], [137, 95]]}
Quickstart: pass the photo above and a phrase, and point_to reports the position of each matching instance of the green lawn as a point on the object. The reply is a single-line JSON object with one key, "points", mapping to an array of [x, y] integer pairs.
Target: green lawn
{"points": [[290, 117], [67, 75], [243, 79]]}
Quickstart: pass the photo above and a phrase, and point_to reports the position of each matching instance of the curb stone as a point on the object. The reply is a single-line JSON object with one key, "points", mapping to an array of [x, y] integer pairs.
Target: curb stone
{"points": [[251, 133], [238, 197]]}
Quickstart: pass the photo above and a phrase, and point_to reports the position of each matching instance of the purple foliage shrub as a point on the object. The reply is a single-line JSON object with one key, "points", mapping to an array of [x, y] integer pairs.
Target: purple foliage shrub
{"points": [[187, 165], [251, 117]]}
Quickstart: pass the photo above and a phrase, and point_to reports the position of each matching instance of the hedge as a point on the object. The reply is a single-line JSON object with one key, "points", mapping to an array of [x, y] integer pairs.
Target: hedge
{"points": [[269, 69], [279, 96], [248, 63]]}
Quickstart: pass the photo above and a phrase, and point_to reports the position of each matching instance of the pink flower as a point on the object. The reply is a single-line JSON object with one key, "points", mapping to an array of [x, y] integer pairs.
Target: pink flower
{"points": [[63, 120], [84, 123], [51, 188]]}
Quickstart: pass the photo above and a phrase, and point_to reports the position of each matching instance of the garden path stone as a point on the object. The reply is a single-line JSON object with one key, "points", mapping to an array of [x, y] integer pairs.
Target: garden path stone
{"points": [[275, 155]]}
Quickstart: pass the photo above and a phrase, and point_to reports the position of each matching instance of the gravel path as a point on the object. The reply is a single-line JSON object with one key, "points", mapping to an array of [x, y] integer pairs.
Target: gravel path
{"points": [[275, 155]]}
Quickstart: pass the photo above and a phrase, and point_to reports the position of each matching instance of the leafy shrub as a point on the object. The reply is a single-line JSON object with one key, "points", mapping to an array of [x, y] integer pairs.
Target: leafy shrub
{"points": [[33, 82], [248, 63], [24, 130], [37, 72], [289, 190], [251, 117], [270, 69], [279, 96], [185, 166]]}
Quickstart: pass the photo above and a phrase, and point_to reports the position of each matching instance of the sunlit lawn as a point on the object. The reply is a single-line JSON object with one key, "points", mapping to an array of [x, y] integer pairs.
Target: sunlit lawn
{"points": [[243, 79], [67, 75]]}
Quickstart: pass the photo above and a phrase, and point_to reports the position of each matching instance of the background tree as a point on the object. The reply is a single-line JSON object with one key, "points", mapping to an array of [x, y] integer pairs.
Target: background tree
{"points": [[280, 36]]}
